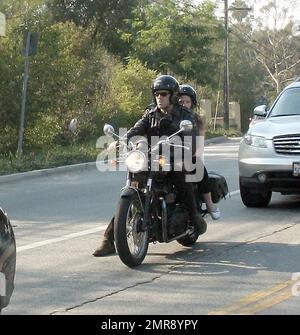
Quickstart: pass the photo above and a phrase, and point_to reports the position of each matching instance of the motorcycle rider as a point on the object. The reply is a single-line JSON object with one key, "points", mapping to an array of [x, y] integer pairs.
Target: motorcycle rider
{"points": [[165, 91], [188, 98]]}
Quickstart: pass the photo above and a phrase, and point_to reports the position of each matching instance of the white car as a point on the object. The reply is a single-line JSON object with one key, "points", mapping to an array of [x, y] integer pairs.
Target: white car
{"points": [[269, 153]]}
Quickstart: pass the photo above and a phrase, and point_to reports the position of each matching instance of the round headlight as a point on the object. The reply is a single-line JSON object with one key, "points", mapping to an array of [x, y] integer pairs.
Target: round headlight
{"points": [[136, 161]]}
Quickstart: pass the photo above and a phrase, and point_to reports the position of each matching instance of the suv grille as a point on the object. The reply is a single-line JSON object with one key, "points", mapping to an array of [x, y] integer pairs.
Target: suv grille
{"points": [[287, 144]]}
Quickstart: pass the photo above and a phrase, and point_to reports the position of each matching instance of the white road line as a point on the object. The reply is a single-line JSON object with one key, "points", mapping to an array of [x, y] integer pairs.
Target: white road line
{"points": [[74, 235], [59, 239]]}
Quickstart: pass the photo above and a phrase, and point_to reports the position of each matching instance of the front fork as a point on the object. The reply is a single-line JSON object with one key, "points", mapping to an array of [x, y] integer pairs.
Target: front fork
{"points": [[148, 195]]}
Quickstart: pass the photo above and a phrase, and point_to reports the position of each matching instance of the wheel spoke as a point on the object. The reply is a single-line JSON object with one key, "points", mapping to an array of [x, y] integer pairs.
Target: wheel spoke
{"points": [[135, 240]]}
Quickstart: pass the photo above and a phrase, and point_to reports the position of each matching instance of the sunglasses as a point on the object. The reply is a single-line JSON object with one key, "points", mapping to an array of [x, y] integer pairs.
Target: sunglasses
{"points": [[163, 94]]}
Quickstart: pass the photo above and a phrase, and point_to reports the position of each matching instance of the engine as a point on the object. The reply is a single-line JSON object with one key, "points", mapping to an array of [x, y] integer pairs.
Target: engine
{"points": [[177, 221]]}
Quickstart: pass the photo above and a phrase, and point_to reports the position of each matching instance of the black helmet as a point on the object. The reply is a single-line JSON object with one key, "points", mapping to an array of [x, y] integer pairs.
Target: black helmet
{"points": [[168, 83], [188, 90]]}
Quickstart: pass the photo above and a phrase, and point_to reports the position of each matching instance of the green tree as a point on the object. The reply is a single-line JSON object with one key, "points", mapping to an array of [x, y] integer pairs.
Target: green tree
{"points": [[246, 75], [176, 37], [105, 18], [68, 78], [130, 93]]}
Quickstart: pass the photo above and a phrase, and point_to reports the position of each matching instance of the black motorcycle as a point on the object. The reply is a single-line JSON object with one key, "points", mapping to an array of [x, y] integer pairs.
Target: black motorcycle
{"points": [[149, 210]]}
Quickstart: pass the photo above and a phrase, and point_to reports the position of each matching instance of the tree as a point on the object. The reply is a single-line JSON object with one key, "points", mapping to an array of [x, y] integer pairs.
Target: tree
{"points": [[176, 37], [129, 94], [264, 57], [274, 46], [106, 18], [240, 10], [246, 75], [68, 78], [279, 54]]}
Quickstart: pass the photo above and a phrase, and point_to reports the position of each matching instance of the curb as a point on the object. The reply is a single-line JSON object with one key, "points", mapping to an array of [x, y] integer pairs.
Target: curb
{"points": [[75, 167], [46, 172], [215, 140]]}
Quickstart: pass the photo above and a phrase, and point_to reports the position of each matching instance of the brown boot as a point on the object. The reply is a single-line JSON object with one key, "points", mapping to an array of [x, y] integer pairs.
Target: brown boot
{"points": [[107, 248]]}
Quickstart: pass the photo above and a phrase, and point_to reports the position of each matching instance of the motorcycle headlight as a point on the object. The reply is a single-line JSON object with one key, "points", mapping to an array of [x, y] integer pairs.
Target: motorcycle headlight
{"points": [[136, 161], [255, 141]]}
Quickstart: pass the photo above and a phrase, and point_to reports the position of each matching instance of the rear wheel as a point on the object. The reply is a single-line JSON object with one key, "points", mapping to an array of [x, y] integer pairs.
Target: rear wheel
{"points": [[189, 239], [131, 241], [254, 199]]}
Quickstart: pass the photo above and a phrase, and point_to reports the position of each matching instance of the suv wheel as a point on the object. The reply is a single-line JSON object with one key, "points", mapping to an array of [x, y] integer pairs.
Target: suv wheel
{"points": [[254, 199]]}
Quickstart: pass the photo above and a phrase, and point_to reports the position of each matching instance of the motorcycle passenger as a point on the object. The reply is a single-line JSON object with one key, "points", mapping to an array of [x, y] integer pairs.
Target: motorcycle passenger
{"points": [[165, 91], [188, 98]]}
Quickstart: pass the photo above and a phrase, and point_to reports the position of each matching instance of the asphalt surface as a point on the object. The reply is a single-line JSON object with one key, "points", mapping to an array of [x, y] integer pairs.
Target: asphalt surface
{"points": [[246, 263]]}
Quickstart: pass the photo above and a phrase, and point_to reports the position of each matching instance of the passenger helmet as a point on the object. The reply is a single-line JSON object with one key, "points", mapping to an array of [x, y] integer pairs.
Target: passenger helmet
{"points": [[188, 90]]}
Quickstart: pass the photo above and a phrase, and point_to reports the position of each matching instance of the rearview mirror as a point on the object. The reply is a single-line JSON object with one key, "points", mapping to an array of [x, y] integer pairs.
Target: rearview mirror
{"points": [[186, 125], [260, 111], [108, 130]]}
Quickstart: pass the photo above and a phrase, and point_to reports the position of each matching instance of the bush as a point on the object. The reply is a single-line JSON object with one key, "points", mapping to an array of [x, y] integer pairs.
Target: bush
{"points": [[210, 132], [8, 139], [130, 93], [42, 135]]}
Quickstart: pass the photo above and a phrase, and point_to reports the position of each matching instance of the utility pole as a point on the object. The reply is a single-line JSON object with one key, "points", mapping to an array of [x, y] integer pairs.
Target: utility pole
{"points": [[24, 93], [226, 69], [226, 61], [31, 41]]}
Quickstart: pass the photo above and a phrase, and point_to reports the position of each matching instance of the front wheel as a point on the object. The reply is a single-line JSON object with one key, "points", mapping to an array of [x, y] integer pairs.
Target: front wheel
{"points": [[254, 199], [131, 241]]}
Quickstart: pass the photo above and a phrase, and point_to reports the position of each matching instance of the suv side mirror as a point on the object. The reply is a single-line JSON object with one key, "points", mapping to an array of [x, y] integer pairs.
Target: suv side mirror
{"points": [[260, 111]]}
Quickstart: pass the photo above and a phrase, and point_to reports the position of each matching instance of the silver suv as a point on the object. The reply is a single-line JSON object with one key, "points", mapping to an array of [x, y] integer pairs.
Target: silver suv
{"points": [[269, 153]]}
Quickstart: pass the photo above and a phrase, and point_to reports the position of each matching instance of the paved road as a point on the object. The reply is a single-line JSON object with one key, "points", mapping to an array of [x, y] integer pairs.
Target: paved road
{"points": [[243, 264]]}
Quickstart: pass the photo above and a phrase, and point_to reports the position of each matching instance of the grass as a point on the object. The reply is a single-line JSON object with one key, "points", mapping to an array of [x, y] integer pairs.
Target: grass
{"points": [[55, 157]]}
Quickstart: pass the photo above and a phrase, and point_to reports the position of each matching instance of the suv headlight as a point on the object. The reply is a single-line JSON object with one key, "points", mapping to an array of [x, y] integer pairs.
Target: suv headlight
{"points": [[255, 141], [136, 161]]}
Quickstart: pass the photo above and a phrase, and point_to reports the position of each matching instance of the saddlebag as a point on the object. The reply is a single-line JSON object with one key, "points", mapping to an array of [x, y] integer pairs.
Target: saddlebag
{"points": [[218, 186]]}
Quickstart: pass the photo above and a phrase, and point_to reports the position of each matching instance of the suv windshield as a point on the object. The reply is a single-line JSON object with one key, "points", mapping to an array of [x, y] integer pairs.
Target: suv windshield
{"points": [[288, 103]]}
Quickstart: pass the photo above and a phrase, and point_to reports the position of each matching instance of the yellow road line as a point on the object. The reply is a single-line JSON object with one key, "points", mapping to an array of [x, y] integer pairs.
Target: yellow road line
{"points": [[267, 303], [259, 301]]}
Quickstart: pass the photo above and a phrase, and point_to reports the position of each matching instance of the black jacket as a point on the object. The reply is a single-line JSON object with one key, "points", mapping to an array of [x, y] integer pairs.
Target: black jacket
{"points": [[156, 123]]}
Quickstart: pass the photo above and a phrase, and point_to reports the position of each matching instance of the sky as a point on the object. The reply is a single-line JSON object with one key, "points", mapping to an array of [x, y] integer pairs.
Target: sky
{"points": [[293, 5]]}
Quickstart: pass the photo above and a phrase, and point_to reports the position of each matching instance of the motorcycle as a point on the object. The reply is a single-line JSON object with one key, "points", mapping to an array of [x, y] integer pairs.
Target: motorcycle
{"points": [[148, 209]]}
